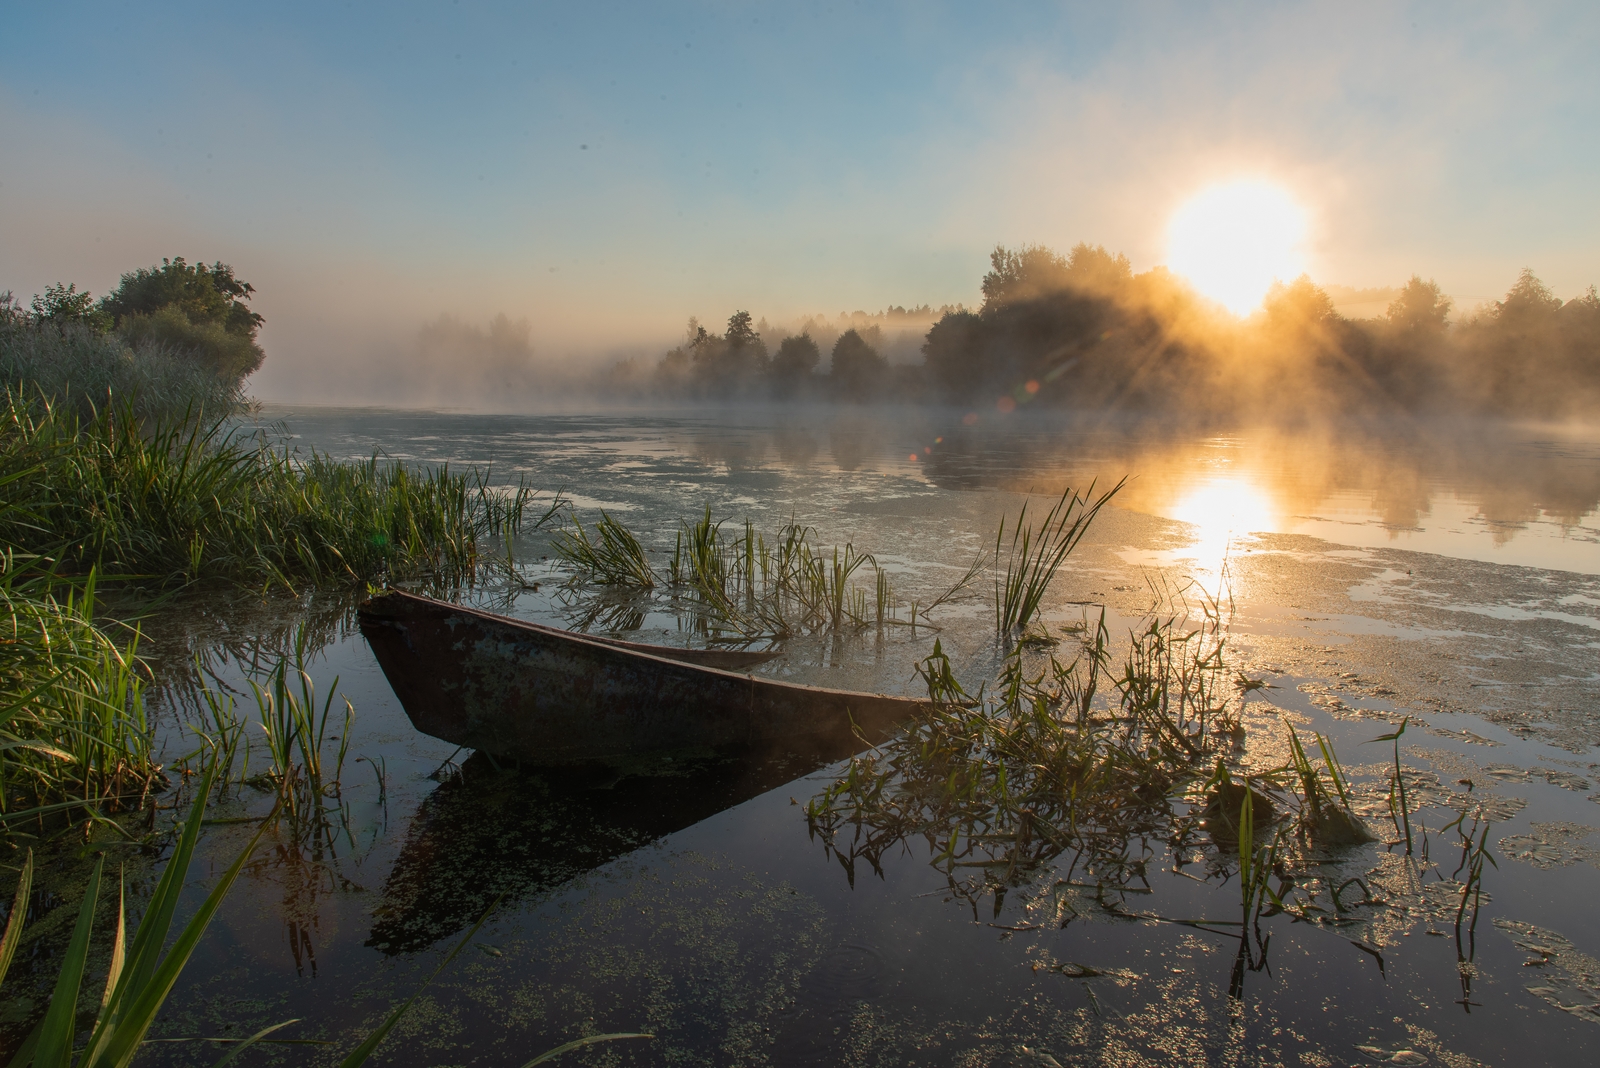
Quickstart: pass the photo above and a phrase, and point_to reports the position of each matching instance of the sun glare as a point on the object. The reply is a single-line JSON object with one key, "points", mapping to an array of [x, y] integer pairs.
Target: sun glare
{"points": [[1222, 510], [1232, 240]]}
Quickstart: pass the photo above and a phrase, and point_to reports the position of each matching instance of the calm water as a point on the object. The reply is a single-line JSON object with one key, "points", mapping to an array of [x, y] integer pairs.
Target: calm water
{"points": [[1448, 574]]}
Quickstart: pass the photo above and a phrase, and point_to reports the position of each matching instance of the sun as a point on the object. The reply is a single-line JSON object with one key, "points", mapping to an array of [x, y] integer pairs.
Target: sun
{"points": [[1231, 241]]}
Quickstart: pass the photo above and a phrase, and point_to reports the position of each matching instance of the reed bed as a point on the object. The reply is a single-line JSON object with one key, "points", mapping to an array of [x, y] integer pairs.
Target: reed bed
{"points": [[175, 501], [72, 366], [753, 587]]}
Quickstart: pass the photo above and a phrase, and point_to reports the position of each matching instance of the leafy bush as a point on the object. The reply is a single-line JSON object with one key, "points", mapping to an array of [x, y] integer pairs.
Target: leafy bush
{"points": [[197, 310]]}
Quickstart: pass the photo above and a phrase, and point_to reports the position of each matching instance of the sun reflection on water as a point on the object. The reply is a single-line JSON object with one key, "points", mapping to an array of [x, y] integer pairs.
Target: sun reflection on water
{"points": [[1222, 510]]}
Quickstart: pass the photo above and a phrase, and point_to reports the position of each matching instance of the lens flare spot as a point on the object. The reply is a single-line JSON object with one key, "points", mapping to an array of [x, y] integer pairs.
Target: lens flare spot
{"points": [[1032, 387], [1232, 241], [1006, 404]]}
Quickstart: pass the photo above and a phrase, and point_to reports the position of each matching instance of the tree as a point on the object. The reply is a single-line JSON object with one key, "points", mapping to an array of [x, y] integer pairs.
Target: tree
{"points": [[740, 333], [796, 359], [197, 310], [857, 371], [1298, 307], [1420, 309], [62, 304], [1022, 274], [1034, 271], [1528, 302], [1091, 267]]}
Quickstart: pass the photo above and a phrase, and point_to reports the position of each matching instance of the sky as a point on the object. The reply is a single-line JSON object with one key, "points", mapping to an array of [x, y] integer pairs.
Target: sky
{"points": [[607, 170]]}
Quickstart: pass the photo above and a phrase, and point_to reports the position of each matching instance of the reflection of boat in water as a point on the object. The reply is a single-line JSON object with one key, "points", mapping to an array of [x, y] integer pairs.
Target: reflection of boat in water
{"points": [[549, 697], [491, 832]]}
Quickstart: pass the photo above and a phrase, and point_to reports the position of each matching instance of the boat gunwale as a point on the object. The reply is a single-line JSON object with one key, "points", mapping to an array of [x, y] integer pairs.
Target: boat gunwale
{"points": [[627, 649]]}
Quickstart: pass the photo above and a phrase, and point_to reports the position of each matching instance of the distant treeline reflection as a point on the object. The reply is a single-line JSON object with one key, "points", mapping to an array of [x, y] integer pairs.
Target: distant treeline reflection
{"points": [[1082, 330]]}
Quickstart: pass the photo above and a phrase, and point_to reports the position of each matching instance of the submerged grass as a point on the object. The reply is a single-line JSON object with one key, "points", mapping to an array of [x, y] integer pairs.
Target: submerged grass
{"points": [[1057, 757]]}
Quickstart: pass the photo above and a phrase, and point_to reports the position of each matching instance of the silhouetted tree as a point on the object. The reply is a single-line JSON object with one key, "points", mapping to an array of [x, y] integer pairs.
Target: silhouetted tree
{"points": [[857, 371], [1526, 356], [953, 356], [1298, 307], [1420, 310], [793, 365], [741, 334], [1034, 271]]}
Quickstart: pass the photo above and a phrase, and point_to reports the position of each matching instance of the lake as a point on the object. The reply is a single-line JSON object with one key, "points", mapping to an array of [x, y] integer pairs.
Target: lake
{"points": [[1442, 575]]}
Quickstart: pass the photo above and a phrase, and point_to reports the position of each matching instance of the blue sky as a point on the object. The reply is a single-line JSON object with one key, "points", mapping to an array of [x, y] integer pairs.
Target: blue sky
{"points": [[606, 170]]}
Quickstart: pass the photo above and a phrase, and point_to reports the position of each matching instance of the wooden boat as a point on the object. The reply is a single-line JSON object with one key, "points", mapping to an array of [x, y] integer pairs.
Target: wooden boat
{"points": [[547, 697]]}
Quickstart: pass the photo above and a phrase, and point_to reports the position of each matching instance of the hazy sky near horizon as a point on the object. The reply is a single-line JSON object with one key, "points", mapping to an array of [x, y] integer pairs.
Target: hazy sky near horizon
{"points": [[606, 170]]}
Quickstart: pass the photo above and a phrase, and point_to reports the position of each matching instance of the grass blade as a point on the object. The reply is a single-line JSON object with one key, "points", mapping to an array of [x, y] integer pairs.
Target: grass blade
{"points": [[232, 1054], [60, 1022], [118, 944], [359, 1055], [19, 909], [131, 1024], [578, 1043]]}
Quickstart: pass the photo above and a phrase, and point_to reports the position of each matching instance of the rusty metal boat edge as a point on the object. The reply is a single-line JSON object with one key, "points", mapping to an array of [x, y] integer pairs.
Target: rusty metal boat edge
{"points": [[548, 697]]}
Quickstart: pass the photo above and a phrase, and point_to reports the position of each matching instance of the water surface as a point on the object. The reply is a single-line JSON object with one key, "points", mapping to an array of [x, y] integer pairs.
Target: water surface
{"points": [[1448, 574]]}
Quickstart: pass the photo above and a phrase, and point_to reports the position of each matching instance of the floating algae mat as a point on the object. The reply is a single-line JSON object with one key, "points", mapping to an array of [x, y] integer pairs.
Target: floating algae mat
{"points": [[985, 889]]}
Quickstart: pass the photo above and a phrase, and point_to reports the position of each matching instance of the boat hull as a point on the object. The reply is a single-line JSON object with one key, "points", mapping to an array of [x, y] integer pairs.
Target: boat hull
{"points": [[546, 697]]}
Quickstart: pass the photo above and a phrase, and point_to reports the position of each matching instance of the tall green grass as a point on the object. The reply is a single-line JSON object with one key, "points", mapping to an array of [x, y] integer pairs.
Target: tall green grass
{"points": [[742, 584], [74, 740], [173, 501]]}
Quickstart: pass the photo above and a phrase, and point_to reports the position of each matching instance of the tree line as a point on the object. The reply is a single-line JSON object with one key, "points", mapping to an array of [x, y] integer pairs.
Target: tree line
{"points": [[1083, 330]]}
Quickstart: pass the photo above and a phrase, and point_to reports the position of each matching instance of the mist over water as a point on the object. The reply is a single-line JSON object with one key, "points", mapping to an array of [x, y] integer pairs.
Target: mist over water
{"points": [[1474, 489]]}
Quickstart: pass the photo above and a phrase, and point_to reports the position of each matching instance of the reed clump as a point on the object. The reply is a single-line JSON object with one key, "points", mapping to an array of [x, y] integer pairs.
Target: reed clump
{"points": [[745, 585], [74, 738], [180, 500], [1078, 766], [1035, 554]]}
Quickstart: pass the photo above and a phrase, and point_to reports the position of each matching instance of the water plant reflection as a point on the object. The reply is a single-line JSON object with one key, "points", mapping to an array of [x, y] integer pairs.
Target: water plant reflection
{"points": [[1060, 760]]}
